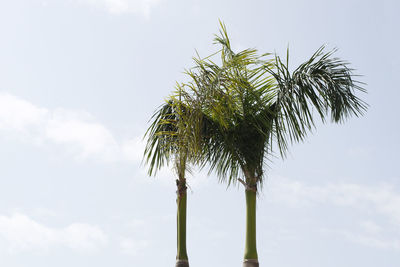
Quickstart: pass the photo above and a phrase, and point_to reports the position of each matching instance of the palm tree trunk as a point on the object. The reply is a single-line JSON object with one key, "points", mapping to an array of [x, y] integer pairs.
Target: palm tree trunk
{"points": [[182, 263], [181, 256], [250, 252]]}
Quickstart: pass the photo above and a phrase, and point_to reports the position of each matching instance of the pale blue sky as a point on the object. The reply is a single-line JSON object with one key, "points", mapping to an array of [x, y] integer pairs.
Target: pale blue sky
{"points": [[79, 80]]}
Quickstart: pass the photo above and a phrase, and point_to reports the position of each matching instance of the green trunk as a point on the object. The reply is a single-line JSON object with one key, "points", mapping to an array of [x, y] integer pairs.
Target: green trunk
{"points": [[250, 251], [181, 227]]}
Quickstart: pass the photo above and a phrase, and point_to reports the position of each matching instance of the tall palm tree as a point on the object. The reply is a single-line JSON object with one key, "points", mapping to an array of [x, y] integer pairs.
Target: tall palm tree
{"points": [[252, 106], [168, 140]]}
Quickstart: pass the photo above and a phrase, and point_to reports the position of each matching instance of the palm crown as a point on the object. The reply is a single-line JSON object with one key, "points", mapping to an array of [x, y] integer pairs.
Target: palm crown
{"points": [[251, 104], [235, 114]]}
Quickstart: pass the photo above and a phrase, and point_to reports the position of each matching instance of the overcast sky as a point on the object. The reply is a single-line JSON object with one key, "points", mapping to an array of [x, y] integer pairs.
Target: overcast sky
{"points": [[79, 80]]}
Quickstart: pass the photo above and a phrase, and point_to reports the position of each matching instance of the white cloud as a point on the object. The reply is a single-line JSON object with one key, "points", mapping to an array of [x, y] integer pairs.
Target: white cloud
{"points": [[76, 131], [81, 135], [371, 227], [19, 115], [379, 203], [138, 235], [375, 237], [132, 246], [372, 241], [23, 233], [133, 149], [141, 7], [382, 199]]}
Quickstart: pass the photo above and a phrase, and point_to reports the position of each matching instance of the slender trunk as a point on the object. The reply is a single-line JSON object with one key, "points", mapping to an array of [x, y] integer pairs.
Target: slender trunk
{"points": [[181, 256], [181, 253], [250, 252]]}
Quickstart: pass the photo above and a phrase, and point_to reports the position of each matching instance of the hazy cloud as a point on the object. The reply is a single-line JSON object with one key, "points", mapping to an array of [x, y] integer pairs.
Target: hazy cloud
{"points": [[372, 201], [381, 198], [133, 148], [77, 131], [19, 115], [23, 233], [81, 134], [132, 246], [140, 7], [368, 234]]}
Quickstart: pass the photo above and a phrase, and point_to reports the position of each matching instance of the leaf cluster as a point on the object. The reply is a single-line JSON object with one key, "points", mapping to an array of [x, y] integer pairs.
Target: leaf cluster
{"points": [[232, 114]]}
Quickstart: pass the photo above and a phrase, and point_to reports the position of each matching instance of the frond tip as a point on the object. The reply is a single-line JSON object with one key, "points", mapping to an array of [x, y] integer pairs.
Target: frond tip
{"points": [[324, 83]]}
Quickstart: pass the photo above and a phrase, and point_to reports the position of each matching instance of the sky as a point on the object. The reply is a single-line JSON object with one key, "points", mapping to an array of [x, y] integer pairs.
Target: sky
{"points": [[79, 80]]}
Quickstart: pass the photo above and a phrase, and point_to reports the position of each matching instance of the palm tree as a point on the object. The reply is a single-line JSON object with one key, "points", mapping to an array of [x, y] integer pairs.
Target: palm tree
{"points": [[252, 106], [168, 140]]}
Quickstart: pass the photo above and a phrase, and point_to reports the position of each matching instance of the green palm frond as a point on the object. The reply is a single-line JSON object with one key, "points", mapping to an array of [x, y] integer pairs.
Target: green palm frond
{"points": [[323, 83], [232, 115], [236, 108], [161, 137], [171, 134], [251, 102]]}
